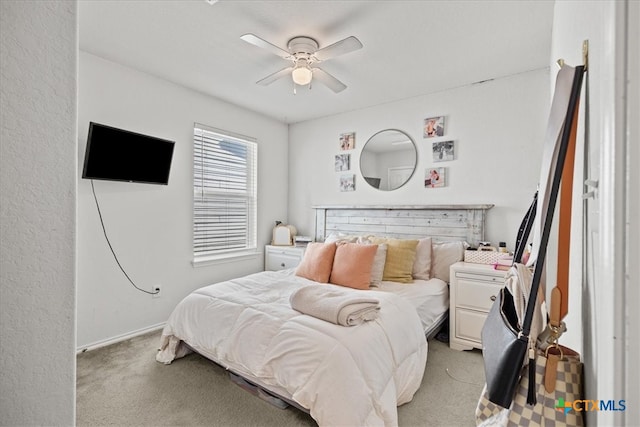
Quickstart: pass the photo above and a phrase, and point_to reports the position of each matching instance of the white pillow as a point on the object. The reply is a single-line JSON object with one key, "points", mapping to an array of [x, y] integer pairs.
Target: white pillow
{"points": [[378, 264], [340, 237], [422, 264], [444, 254], [365, 239]]}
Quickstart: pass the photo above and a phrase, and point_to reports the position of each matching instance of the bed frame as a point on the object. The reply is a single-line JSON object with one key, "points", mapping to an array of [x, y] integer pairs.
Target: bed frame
{"points": [[441, 222]]}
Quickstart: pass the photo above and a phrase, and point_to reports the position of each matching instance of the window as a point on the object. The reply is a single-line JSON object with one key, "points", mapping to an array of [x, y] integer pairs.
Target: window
{"points": [[224, 194]]}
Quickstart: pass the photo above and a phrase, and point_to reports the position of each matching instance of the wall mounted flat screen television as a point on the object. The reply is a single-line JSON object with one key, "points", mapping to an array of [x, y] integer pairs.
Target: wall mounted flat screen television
{"points": [[119, 155]]}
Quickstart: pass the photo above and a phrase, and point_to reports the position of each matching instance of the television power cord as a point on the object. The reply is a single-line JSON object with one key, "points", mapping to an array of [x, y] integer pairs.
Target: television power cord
{"points": [[460, 380], [111, 247]]}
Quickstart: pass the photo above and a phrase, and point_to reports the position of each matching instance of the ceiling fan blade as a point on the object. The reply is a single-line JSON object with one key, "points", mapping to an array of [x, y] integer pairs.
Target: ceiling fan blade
{"points": [[328, 80], [338, 48], [275, 76], [257, 41]]}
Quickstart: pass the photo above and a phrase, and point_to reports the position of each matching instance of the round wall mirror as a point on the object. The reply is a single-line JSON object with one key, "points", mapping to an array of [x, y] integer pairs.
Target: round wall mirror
{"points": [[388, 159]]}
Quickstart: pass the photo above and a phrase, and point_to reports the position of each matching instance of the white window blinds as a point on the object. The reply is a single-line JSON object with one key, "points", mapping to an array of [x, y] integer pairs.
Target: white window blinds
{"points": [[224, 192]]}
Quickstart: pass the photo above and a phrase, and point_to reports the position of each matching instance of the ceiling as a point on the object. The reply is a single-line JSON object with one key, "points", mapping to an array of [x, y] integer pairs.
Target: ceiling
{"points": [[410, 48]]}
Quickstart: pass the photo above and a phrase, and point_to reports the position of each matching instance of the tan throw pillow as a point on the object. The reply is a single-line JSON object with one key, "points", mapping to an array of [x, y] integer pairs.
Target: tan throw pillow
{"points": [[400, 257], [317, 262], [352, 265], [422, 264], [444, 255]]}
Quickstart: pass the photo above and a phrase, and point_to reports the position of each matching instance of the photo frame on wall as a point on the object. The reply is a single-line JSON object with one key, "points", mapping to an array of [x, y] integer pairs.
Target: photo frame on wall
{"points": [[342, 162], [433, 126], [435, 178], [443, 151], [347, 182], [347, 141]]}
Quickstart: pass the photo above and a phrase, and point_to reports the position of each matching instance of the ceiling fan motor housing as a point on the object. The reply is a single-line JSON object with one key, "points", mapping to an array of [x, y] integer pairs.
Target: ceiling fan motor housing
{"points": [[300, 46]]}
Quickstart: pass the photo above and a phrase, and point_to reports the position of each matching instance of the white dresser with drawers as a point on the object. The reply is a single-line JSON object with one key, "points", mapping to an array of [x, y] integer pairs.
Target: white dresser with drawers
{"points": [[473, 288], [282, 257]]}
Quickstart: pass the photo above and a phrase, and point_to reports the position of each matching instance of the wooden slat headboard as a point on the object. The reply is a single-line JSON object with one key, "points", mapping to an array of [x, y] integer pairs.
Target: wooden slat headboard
{"points": [[442, 222]]}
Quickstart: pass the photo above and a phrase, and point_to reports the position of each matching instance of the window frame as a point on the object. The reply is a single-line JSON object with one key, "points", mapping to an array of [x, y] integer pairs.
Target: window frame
{"points": [[229, 191]]}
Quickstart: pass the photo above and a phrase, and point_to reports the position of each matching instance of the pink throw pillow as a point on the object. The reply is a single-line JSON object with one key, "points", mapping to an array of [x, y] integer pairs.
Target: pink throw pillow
{"points": [[317, 262], [352, 265]]}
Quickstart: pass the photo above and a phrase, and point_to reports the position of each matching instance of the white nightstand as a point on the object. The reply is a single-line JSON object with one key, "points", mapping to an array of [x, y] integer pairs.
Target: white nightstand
{"points": [[282, 257], [473, 288]]}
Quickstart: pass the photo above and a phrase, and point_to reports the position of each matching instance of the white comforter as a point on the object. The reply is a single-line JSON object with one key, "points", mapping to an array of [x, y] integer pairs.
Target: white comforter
{"points": [[345, 376]]}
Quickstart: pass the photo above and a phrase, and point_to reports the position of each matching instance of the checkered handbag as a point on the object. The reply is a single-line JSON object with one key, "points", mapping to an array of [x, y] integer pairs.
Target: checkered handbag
{"points": [[552, 408]]}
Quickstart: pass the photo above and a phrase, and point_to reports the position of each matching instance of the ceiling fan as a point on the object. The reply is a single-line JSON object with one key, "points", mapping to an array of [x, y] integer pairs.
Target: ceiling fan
{"points": [[304, 54]]}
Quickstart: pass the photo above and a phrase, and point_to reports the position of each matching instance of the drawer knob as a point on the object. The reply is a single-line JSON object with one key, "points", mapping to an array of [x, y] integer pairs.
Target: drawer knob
{"points": [[492, 298], [282, 265]]}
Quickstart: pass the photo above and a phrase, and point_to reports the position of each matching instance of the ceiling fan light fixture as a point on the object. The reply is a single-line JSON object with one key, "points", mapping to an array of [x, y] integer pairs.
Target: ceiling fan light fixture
{"points": [[301, 74]]}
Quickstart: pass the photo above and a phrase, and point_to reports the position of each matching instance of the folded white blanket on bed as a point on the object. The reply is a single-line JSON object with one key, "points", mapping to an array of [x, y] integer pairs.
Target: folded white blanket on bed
{"points": [[334, 304]]}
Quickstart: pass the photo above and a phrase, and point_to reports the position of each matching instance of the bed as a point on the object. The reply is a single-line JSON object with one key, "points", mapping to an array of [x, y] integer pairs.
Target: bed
{"points": [[341, 375]]}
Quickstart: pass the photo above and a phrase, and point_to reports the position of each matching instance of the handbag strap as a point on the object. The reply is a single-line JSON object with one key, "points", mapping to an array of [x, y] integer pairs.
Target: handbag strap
{"points": [[553, 195], [559, 306], [525, 230]]}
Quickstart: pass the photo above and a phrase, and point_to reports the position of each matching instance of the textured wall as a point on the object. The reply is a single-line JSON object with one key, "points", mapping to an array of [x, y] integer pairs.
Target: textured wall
{"points": [[37, 210]]}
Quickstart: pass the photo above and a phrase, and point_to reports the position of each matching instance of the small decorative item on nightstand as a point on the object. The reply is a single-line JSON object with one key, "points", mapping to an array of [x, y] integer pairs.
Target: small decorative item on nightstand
{"points": [[283, 235], [473, 289]]}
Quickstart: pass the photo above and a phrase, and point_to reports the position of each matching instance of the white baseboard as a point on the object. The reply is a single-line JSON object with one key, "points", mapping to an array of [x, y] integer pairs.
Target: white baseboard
{"points": [[119, 338]]}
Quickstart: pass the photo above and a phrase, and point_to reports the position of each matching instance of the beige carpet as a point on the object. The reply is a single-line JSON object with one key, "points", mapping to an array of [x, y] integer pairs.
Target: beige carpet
{"points": [[123, 385]]}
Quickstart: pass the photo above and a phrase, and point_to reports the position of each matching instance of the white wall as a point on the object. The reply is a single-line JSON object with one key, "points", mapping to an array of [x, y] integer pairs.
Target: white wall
{"points": [[498, 127], [150, 226], [37, 212]]}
